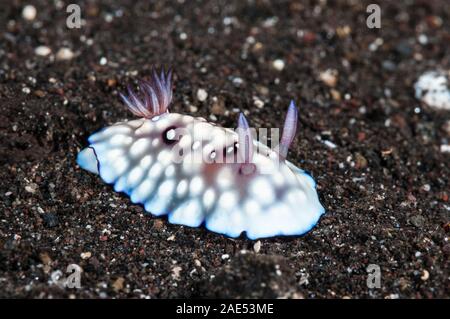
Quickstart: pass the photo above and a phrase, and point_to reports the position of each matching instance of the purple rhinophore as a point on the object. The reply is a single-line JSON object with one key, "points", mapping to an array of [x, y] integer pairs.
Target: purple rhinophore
{"points": [[245, 141], [157, 95], [289, 129]]}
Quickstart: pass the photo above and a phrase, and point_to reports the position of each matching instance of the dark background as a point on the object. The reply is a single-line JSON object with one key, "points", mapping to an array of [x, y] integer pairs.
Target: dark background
{"points": [[384, 187]]}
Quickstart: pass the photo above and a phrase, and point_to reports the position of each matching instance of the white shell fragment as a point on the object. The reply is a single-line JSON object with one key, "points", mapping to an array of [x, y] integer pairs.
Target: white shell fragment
{"points": [[434, 90], [181, 166]]}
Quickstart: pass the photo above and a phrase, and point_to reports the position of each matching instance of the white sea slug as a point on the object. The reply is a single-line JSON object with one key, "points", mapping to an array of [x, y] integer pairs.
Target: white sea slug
{"points": [[199, 173]]}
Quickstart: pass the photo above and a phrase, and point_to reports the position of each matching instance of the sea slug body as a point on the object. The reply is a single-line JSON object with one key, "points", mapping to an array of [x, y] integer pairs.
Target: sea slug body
{"points": [[196, 172]]}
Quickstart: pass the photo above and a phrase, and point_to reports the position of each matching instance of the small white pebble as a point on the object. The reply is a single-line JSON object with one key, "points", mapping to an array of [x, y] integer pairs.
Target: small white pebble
{"points": [[377, 43], [176, 272], [278, 64], [64, 54], [26, 90], [257, 246], [426, 187], [202, 95], [432, 88], [86, 255], [183, 36], [330, 144], [445, 148], [423, 39], [237, 81], [329, 77], [228, 20], [225, 256], [270, 22], [257, 102], [373, 47], [109, 17], [29, 12], [425, 275], [103, 61], [42, 50]]}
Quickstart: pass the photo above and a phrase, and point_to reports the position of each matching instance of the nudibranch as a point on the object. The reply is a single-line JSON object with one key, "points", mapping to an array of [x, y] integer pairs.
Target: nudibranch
{"points": [[196, 172]]}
